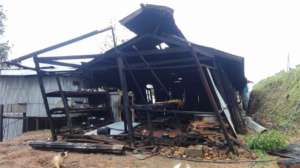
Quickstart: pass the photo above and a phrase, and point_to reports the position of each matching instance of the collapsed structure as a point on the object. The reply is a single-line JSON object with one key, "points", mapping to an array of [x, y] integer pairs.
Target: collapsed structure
{"points": [[165, 82]]}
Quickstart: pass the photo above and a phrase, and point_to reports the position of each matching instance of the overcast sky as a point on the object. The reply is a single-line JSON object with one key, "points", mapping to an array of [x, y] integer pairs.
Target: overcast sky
{"points": [[264, 32]]}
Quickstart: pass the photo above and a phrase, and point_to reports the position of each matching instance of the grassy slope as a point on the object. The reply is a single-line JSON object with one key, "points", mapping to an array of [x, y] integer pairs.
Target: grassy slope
{"points": [[276, 100]]}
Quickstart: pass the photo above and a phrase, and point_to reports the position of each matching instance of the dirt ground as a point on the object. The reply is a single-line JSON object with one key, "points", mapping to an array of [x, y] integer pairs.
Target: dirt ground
{"points": [[18, 154]]}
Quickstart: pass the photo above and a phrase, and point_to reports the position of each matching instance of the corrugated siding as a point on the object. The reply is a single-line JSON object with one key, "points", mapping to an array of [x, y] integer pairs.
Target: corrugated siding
{"points": [[25, 89], [12, 128]]}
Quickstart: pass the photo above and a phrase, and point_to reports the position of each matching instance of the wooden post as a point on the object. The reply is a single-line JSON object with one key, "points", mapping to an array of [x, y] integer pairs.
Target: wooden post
{"points": [[123, 81], [149, 122], [1, 122], [45, 100], [36, 123], [24, 122], [211, 98], [128, 115]]}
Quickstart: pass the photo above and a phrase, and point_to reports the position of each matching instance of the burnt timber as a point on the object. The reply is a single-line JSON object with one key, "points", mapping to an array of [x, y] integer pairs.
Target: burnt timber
{"points": [[159, 56]]}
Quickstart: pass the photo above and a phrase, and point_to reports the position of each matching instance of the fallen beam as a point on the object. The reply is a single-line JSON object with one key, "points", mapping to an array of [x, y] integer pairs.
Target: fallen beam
{"points": [[78, 147]]}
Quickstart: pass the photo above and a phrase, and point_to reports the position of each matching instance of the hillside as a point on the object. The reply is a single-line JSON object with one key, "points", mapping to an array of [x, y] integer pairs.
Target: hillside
{"points": [[275, 101]]}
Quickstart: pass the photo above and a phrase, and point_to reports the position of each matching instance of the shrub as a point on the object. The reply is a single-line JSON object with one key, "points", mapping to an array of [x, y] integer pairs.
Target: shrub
{"points": [[267, 141]]}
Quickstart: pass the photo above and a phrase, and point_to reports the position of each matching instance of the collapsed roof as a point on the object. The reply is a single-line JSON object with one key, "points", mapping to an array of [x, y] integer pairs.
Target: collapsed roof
{"points": [[155, 26], [204, 78]]}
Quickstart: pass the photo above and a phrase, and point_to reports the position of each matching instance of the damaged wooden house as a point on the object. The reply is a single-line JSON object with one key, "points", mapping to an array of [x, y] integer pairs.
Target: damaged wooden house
{"points": [[156, 88]]}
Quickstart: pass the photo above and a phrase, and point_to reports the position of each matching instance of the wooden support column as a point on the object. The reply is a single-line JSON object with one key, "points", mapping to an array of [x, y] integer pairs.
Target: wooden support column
{"points": [[128, 116], [25, 122], [45, 100], [1, 122], [211, 98], [140, 90]]}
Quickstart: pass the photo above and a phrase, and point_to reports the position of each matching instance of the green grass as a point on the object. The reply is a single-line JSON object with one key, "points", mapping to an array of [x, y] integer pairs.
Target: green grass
{"points": [[267, 141], [276, 101]]}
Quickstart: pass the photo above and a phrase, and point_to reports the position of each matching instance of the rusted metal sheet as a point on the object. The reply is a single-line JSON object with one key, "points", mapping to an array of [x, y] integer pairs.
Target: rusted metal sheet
{"points": [[222, 102]]}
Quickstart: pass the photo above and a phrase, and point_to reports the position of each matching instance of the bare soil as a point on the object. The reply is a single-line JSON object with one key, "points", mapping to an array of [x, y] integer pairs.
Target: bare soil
{"points": [[18, 154]]}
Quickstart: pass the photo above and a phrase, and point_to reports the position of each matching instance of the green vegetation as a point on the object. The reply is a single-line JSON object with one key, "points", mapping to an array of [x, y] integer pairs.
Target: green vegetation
{"points": [[267, 141], [275, 101], [3, 44]]}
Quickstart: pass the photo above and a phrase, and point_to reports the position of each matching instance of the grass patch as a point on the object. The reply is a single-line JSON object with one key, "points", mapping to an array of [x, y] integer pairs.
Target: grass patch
{"points": [[267, 141], [275, 101]]}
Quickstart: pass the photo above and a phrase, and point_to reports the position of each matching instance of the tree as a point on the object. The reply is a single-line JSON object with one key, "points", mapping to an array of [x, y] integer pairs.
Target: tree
{"points": [[3, 45]]}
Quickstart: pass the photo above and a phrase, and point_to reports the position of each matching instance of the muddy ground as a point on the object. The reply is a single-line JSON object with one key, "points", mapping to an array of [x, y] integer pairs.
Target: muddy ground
{"points": [[17, 154]]}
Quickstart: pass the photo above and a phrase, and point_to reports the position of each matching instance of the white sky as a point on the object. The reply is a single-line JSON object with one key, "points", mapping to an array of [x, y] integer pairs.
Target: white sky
{"points": [[262, 31]]}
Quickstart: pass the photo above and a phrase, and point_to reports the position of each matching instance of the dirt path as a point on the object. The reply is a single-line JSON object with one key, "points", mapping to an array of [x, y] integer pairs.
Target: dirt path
{"points": [[17, 154]]}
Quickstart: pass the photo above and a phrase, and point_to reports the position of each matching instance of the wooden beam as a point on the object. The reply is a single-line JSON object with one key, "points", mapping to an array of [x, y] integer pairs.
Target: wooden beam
{"points": [[59, 63], [161, 67], [62, 44], [211, 98], [45, 100], [156, 52], [123, 82], [167, 61], [78, 147], [168, 67], [88, 56], [153, 73], [103, 68]]}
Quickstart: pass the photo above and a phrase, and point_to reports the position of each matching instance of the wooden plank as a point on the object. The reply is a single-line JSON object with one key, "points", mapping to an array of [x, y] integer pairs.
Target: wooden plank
{"points": [[87, 56], [78, 147]]}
